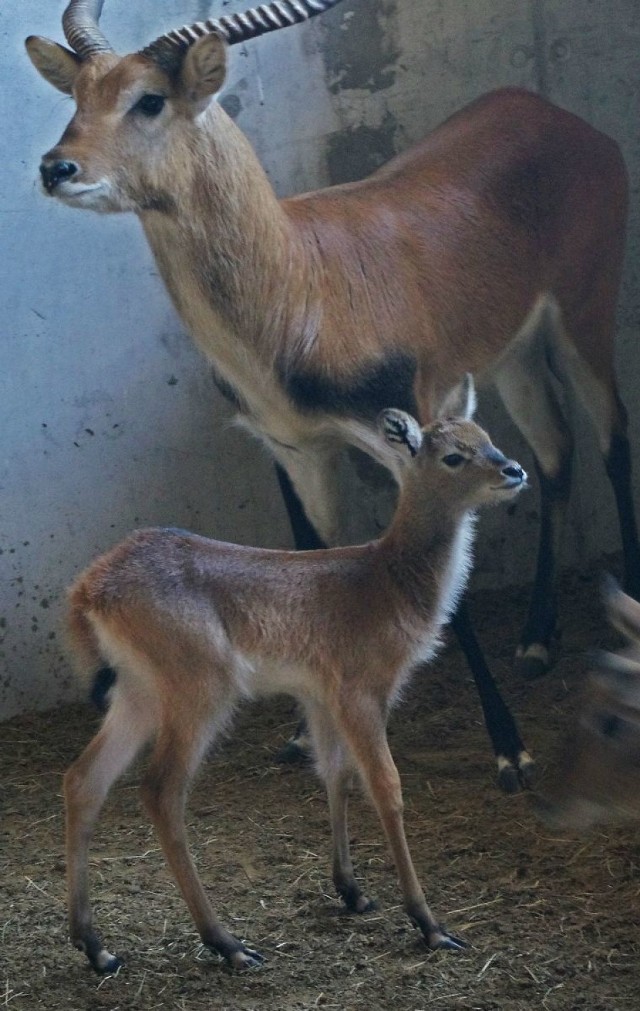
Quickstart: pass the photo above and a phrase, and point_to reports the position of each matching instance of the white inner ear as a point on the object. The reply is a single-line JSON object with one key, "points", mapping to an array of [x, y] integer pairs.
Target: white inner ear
{"points": [[461, 401], [471, 401], [401, 431]]}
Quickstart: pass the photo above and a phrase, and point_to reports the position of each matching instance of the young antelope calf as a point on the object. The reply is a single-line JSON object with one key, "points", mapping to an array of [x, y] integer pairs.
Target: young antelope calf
{"points": [[599, 775], [183, 628]]}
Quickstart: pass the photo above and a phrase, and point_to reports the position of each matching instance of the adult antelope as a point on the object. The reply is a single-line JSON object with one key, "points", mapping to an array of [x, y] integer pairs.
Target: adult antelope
{"points": [[493, 247], [181, 629]]}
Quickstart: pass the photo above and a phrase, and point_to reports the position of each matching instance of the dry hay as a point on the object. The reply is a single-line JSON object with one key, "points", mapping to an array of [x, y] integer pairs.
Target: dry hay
{"points": [[552, 921]]}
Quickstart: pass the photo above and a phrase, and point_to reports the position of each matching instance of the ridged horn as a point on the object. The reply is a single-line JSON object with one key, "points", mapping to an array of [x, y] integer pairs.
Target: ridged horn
{"points": [[80, 26], [236, 27]]}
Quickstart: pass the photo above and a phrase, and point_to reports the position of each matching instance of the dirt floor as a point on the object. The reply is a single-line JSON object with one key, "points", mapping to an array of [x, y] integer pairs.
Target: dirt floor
{"points": [[552, 922]]}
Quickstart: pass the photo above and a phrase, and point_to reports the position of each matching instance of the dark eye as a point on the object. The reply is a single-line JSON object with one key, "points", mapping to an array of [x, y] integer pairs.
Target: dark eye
{"points": [[453, 459], [150, 105]]}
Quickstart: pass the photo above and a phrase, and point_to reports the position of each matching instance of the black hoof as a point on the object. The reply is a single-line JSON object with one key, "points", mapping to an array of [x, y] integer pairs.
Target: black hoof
{"points": [[294, 753], [527, 771], [444, 941], [244, 958], [532, 661], [451, 943], [517, 775], [508, 778], [361, 904], [105, 964]]}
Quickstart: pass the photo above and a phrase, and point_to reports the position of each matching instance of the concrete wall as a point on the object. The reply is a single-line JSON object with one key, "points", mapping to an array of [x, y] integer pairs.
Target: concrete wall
{"points": [[108, 417]]}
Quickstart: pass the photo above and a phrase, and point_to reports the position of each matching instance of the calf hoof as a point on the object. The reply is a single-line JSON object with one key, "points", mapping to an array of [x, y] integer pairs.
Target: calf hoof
{"points": [[297, 751], [103, 962], [450, 943], [244, 958], [364, 905], [442, 940], [354, 900], [532, 661]]}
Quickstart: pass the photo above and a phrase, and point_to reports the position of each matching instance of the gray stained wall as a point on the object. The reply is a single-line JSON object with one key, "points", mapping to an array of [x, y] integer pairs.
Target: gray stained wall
{"points": [[108, 416]]}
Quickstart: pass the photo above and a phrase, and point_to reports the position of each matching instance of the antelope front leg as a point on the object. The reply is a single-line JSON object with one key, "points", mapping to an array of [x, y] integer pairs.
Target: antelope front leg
{"points": [[368, 741], [313, 475], [516, 767]]}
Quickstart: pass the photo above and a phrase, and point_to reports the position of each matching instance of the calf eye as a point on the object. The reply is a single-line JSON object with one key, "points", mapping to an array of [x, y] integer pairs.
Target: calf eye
{"points": [[453, 459], [150, 105]]}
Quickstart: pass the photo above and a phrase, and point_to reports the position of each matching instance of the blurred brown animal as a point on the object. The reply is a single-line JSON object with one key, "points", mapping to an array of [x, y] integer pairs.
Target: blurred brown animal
{"points": [[181, 629], [599, 775]]}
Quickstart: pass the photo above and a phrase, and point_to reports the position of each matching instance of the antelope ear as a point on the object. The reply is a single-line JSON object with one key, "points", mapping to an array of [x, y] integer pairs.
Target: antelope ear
{"points": [[623, 611], [58, 66], [400, 431], [461, 401], [204, 68]]}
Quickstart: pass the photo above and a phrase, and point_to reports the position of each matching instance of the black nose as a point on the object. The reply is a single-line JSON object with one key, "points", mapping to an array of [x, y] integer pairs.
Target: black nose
{"points": [[55, 171], [513, 471]]}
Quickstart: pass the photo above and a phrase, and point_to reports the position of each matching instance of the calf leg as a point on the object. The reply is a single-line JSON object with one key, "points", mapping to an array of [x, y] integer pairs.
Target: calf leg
{"points": [[126, 728], [335, 766], [364, 729], [174, 761]]}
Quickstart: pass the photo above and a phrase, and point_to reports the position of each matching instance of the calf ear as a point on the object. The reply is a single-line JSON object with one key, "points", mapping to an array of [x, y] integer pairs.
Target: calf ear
{"points": [[58, 66], [401, 432], [461, 401], [623, 611]]}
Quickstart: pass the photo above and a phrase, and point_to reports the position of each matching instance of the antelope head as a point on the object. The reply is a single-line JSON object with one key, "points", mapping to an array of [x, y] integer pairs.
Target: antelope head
{"points": [[135, 114], [453, 457]]}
